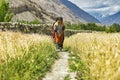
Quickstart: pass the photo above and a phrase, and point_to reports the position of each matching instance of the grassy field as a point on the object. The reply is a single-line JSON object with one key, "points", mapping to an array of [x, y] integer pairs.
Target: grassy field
{"points": [[25, 56], [95, 56]]}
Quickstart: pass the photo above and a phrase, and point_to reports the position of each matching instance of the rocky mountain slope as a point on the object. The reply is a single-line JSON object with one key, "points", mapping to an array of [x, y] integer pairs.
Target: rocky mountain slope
{"points": [[44, 11]]}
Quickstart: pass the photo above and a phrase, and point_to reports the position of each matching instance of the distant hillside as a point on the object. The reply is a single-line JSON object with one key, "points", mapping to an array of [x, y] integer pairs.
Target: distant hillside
{"points": [[79, 12], [111, 19]]}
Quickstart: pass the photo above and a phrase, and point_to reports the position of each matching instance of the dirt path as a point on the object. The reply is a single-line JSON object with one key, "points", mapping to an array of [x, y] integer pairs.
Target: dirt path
{"points": [[60, 69]]}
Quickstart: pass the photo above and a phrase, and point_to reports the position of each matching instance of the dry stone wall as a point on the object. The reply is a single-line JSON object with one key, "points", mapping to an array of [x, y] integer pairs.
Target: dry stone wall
{"points": [[30, 28]]}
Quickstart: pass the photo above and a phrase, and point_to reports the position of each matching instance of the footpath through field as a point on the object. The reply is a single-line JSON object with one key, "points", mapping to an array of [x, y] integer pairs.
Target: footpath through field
{"points": [[60, 69]]}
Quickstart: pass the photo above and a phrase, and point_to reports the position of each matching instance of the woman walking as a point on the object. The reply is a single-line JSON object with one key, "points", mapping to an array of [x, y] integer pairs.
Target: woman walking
{"points": [[58, 32]]}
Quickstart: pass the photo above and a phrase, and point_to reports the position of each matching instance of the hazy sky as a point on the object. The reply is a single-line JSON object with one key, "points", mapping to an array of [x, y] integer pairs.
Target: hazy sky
{"points": [[99, 7]]}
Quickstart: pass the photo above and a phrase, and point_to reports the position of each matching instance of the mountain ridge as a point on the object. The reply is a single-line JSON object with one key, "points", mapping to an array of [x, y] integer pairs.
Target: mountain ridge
{"points": [[115, 18], [79, 12]]}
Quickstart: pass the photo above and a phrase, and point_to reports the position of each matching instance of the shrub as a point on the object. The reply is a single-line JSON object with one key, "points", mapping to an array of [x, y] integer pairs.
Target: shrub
{"points": [[31, 22], [5, 14]]}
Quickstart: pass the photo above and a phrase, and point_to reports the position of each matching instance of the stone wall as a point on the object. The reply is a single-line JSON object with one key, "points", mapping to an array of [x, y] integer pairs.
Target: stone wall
{"points": [[39, 28], [25, 28]]}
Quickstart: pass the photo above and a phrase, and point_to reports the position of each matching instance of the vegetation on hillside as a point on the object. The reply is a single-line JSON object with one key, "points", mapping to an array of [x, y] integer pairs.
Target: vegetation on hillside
{"points": [[24, 56], [95, 56], [5, 14], [30, 22]]}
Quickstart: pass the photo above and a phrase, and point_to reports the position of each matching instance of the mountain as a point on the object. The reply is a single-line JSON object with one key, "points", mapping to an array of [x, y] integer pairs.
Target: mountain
{"points": [[42, 10], [79, 12], [115, 18], [47, 10]]}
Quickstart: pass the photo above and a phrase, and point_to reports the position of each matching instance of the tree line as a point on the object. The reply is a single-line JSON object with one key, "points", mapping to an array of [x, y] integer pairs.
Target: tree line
{"points": [[94, 27]]}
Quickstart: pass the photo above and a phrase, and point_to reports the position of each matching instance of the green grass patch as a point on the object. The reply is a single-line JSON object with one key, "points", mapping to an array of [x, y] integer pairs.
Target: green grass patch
{"points": [[30, 22], [67, 77], [33, 65], [76, 64]]}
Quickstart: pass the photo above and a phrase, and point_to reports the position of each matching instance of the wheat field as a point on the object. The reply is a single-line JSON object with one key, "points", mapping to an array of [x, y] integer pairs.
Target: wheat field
{"points": [[101, 53], [25, 56], [11, 43]]}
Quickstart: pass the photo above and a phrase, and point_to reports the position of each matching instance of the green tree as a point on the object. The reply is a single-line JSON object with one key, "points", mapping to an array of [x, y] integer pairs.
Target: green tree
{"points": [[117, 26], [113, 28], [107, 30], [91, 26], [5, 14]]}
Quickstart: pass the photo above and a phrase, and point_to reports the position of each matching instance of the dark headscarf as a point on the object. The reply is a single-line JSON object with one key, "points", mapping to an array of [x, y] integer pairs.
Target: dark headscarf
{"points": [[59, 18]]}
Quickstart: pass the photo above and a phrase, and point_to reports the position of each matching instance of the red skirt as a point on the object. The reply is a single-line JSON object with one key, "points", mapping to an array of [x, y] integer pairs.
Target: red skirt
{"points": [[57, 38]]}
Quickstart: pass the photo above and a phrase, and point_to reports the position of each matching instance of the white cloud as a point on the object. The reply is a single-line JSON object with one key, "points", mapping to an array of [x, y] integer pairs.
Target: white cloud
{"points": [[101, 7]]}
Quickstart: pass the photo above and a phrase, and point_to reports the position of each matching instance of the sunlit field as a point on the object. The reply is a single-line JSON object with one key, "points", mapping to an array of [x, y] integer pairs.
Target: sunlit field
{"points": [[25, 56], [99, 55]]}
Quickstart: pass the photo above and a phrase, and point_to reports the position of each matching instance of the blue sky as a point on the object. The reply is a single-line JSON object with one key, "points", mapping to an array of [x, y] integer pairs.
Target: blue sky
{"points": [[99, 8]]}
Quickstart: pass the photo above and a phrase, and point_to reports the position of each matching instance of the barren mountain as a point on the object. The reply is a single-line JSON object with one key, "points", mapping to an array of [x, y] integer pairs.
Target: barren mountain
{"points": [[44, 11]]}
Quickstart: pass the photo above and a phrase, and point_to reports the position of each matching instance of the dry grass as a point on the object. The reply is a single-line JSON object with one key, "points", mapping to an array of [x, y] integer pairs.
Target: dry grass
{"points": [[12, 43], [101, 53], [25, 56]]}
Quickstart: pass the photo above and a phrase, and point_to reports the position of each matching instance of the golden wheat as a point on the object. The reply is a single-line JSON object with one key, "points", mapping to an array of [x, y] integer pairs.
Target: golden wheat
{"points": [[100, 51], [11, 44]]}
